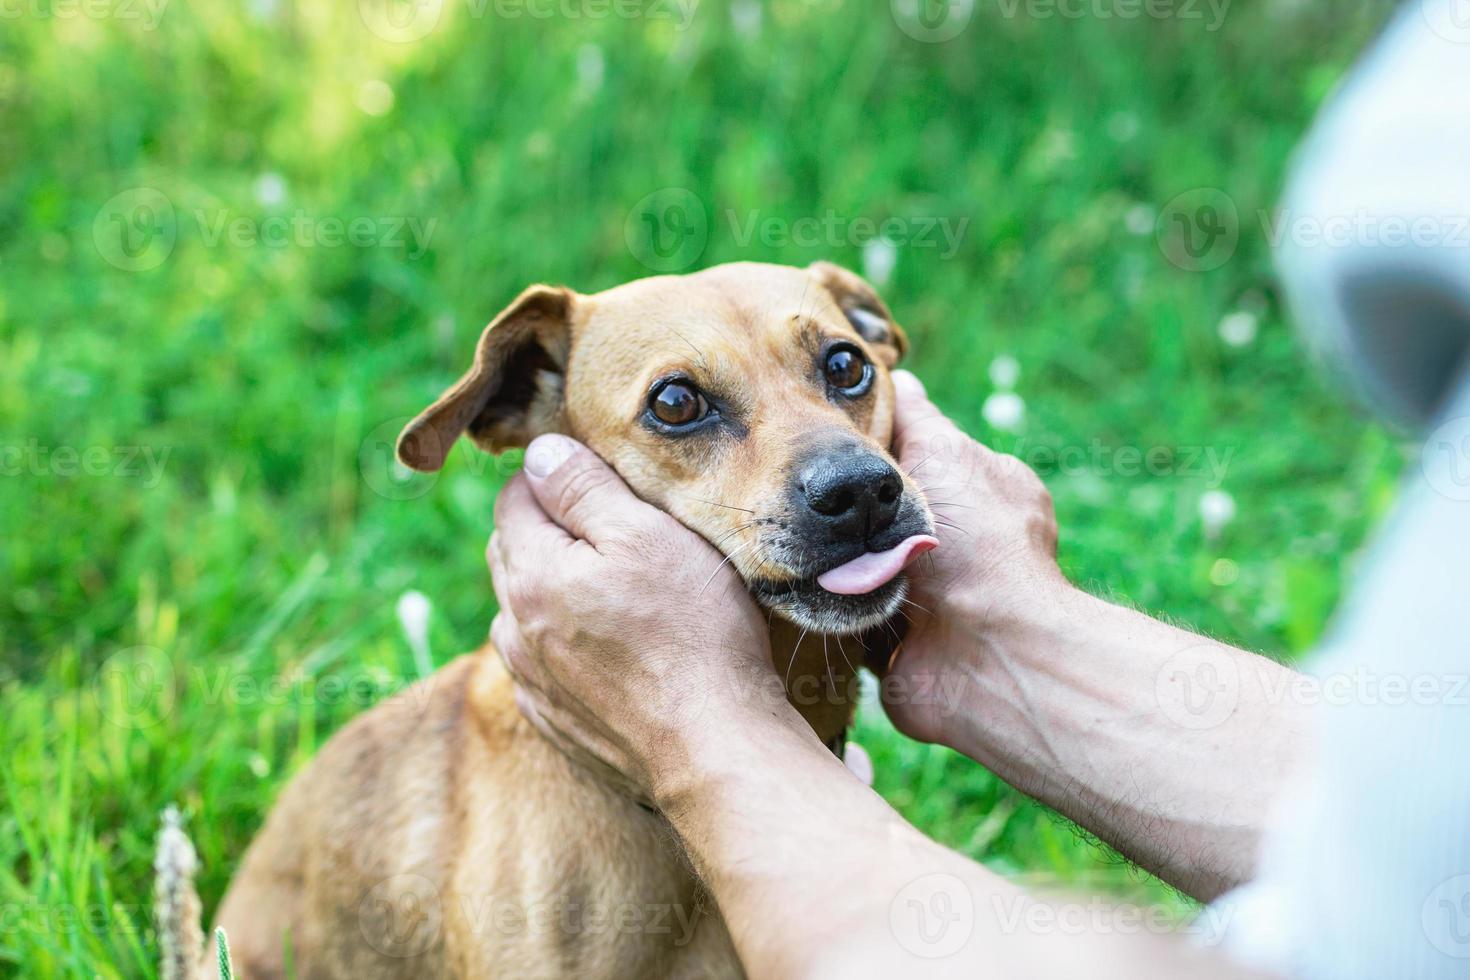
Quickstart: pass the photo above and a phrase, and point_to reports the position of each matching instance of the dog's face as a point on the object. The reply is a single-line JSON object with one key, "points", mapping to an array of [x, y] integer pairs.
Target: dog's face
{"points": [[752, 402]]}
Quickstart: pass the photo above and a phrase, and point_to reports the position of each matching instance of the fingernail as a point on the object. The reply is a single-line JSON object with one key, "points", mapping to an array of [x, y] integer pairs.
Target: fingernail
{"points": [[545, 455], [907, 380]]}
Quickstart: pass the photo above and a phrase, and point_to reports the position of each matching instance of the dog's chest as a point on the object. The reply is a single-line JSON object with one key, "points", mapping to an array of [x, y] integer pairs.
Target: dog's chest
{"points": [[559, 875]]}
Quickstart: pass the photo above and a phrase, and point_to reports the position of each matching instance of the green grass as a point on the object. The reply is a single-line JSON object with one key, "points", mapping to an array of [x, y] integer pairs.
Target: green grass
{"points": [[258, 568]]}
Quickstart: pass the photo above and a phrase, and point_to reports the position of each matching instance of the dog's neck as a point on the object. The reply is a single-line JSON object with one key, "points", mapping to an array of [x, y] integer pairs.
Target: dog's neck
{"points": [[820, 676]]}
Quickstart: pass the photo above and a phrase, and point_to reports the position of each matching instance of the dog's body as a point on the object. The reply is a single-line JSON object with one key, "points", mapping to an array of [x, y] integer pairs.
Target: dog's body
{"points": [[440, 835]]}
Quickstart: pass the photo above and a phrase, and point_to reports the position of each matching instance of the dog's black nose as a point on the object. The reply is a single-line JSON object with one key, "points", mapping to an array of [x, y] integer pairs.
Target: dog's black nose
{"points": [[855, 495]]}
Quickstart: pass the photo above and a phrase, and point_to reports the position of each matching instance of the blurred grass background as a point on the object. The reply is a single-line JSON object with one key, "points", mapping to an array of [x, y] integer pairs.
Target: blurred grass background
{"points": [[174, 614]]}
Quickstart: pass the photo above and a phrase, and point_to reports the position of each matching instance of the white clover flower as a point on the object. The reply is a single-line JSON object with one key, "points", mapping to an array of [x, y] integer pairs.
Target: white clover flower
{"points": [[1224, 572], [270, 189], [1139, 219], [1123, 126], [375, 97], [879, 257], [1239, 328], [1004, 410], [745, 17], [413, 611], [1216, 511], [1005, 371], [591, 67]]}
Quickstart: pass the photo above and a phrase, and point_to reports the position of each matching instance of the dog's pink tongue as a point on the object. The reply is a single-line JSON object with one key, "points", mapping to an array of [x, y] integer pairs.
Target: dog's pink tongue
{"points": [[867, 572]]}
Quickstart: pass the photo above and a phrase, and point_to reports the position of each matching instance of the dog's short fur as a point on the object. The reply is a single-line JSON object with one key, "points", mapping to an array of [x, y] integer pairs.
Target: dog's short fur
{"points": [[439, 834]]}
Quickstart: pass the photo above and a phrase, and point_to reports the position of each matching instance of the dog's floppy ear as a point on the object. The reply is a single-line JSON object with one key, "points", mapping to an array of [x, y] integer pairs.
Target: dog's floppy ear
{"points": [[511, 394], [867, 313]]}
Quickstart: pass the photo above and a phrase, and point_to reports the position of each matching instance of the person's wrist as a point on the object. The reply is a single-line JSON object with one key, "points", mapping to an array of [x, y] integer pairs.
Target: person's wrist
{"points": [[997, 636], [694, 760]]}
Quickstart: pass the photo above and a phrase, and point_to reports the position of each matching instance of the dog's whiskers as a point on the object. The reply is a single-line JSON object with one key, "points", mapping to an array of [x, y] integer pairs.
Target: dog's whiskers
{"points": [[721, 565], [942, 486], [698, 354], [909, 602], [955, 526], [830, 679], [736, 530], [716, 503], [922, 462], [851, 669], [787, 682]]}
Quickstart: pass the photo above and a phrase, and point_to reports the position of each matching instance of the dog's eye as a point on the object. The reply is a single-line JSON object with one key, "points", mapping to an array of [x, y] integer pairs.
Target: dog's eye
{"points": [[847, 369], [677, 403]]}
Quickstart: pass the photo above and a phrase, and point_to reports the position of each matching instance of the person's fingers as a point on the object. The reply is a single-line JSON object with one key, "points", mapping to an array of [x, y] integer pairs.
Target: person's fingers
{"points": [[526, 704], [579, 491], [906, 385], [522, 527], [911, 401], [505, 636], [501, 576], [917, 422]]}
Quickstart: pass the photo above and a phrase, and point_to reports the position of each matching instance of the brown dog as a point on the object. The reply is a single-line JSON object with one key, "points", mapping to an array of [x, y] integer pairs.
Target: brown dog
{"points": [[439, 835]]}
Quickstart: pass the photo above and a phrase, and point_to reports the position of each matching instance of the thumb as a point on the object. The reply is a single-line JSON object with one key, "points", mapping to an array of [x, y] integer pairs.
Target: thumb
{"points": [[579, 491], [917, 422]]}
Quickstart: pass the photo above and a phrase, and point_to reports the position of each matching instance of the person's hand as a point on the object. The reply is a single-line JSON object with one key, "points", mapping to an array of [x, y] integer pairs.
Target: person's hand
{"points": [[619, 625], [999, 536]]}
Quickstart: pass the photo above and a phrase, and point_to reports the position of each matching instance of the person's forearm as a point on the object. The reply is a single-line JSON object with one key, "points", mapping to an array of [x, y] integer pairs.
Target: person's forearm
{"points": [[789, 857], [1167, 745], [816, 876]]}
